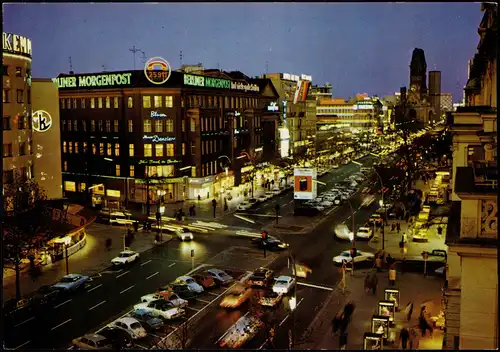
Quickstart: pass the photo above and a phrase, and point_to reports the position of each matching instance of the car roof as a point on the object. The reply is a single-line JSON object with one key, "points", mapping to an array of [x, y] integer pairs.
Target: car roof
{"points": [[95, 337], [71, 276], [284, 277], [127, 320], [261, 270], [216, 271], [184, 277], [128, 252], [364, 229]]}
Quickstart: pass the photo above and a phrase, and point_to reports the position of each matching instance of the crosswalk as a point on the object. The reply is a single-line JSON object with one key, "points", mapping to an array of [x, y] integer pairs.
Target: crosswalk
{"points": [[171, 224]]}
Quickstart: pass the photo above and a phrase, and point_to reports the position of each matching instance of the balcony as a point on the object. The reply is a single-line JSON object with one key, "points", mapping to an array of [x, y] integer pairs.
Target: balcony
{"points": [[477, 180]]}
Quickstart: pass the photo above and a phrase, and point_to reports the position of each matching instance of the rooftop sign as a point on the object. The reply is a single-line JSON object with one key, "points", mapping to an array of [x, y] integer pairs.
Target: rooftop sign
{"points": [[212, 82], [101, 80], [16, 44], [157, 70]]}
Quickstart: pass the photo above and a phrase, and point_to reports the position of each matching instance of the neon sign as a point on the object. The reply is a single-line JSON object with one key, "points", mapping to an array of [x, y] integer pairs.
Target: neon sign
{"points": [[120, 79], [158, 139], [16, 44], [157, 70], [158, 162], [42, 121], [157, 114], [273, 107]]}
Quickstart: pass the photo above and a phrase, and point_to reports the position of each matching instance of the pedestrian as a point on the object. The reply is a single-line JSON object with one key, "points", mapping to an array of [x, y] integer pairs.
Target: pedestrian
{"points": [[409, 310], [194, 210], [398, 227], [371, 282], [389, 261], [392, 276], [136, 226], [393, 227], [424, 323], [348, 310], [343, 341], [404, 336], [336, 321], [199, 197], [378, 263]]}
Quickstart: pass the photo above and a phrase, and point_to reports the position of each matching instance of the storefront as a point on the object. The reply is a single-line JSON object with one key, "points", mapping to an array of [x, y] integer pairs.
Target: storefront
{"points": [[165, 190], [202, 187]]}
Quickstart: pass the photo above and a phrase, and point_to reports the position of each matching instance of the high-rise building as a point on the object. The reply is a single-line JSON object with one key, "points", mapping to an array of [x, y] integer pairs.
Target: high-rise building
{"points": [[319, 92], [17, 157], [435, 95], [446, 102], [471, 294]]}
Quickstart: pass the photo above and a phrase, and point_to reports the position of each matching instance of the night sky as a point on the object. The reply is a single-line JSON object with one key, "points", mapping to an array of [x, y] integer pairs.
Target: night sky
{"points": [[363, 47]]}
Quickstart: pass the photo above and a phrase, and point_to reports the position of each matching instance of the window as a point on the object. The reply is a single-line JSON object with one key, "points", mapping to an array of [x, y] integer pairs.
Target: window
{"points": [[92, 103], [160, 171], [76, 148], [5, 70], [193, 149], [170, 149], [70, 125], [92, 125], [183, 125], [130, 150], [117, 149], [115, 102], [75, 125], [130, 102], [82, 103], [147, 126], [475, 153], [146, 102], [20, 96], [109, 149], [169, 125], [30, 146], [100, 125], [117, 169], [65, 147], [70, 147], [131, 172], [101, 148], [116, 125], [169, 101], [7, 150], [94, 149], [158, 126], [108, 102], [62, 103], [99, 102], [83, 186], [193, 124], [157, 101], [65, 166], [68, 103], [130, 126], [148, 150], [158, 149], [85, 147], [74, 103], [20, 122], [5, 96], [19, 71], [108, 126], [6, 123]]}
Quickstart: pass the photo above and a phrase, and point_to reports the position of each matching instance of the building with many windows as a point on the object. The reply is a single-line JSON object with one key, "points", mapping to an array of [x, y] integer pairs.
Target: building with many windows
{"points": [[471, 295], [446, 102], [17, 149], [124, 139]]}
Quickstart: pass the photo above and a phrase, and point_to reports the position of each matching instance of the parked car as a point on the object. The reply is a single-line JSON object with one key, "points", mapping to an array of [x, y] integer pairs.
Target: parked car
{"points": [[236, 297], [244, 205], [283, 284], [364, 232], [120, 218], [132, 326], [270, 299], [205, 280], [260, 277], [360, 257], [168, 296], [161, 308], [184, 234], [71, 282], [190, 282], [147, 320], [375, 219], [262, 198], [220, 277], [269, 194], [92, 342], [182, 291], [125, 257], [302, 270], [117, 337]]}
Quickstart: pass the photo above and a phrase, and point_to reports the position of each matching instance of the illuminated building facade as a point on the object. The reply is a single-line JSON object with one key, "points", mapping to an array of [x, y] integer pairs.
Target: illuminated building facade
{"points": [[130, 138], [446, 102], [471, 295], [17, 157]]}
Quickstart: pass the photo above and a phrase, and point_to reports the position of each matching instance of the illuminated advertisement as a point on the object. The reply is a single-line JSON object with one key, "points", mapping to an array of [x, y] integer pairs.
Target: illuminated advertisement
{"points": [[16, 44], [158, 139], [306, 78], [284, 111], [103, 80], [157, 70], [42, 121], [392, 294], [304, 185], [284, 142], [289, 77], [273, 107], [157, 115], [380, 325], [220, 83], [387, 309], [245, 86], [372, 342], [158, 162], [301, 91]]}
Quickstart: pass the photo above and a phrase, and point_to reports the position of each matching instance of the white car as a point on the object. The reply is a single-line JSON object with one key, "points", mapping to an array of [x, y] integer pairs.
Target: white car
{"points": [[184, 234], [326, 203], [343, 233], [364, 232], [283, 284], [360, 257], [190, 282], [244, 206], [132, 326], [262, 198], [161, 308], [125, 257], [168, 296]]}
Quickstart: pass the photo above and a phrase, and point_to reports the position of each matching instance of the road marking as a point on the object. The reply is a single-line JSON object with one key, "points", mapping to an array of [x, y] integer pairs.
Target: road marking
{"points": [[290, 202], [24, 344], [150, 276], [283, 321], [149, 261], [94, 288], [315, 286], [263, 344], [118, 271], [196, 310], [171, 265], [213, 294], [284, 205], [69, 300], [141, 347], [127, 289], [97, 305], [329, 211], [64, 322], [201, 300], [27, 320], [298, 304], [118, 276]]}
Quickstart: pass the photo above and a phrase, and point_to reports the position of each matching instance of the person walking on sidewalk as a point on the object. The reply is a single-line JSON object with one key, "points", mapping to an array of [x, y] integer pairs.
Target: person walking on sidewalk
{"points": [[424, 323], [392, 276], [389, 261], [404, 336], [371, 282], [409, 310], [378, 263], [413, 339], [343, 341], [398, 227]]}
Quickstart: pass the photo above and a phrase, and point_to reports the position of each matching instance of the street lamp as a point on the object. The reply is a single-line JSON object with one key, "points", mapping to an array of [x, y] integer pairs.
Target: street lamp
{"points": [[221, 186], [67, 241]]}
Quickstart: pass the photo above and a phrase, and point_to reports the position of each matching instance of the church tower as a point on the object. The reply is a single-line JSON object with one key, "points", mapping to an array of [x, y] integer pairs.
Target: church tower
{"points": [[418, 72]]}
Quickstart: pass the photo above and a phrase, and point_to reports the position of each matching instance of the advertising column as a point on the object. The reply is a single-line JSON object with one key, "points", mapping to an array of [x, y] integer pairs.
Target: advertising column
{"points": [[304, 185]]}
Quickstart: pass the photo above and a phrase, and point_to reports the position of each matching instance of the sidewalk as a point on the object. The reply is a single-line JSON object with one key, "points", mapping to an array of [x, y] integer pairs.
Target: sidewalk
{"points": [[90, 260], [413, 287]]}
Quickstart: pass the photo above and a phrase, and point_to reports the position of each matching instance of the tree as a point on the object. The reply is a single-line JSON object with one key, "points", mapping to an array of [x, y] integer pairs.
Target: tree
{"points": [[27, 223], [182, 333]]}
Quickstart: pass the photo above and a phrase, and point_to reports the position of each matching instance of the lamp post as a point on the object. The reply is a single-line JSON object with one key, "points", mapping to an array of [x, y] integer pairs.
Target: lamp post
{"points": [[226, 172], [252, 160], [160, 193], [67, 241]]}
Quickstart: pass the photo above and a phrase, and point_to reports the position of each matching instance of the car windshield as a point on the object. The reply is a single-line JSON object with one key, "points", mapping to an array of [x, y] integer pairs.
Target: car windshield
{"points": [[189, 281], [124, 255], [185, 230], [345, 254], [69, 279], [258, 275], [135, 325], [282, 282], [363, 230]]}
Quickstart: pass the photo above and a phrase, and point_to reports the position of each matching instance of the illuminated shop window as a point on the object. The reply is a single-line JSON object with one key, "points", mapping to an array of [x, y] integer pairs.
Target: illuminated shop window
{"points": [[83, 186], [170, 149], [131, 150], [158, 149], [148, 150], [70, 186], [146, 102], [92, 103], [99, 102], [132, 171], [169, 101], [108, 102], [157, 101]]}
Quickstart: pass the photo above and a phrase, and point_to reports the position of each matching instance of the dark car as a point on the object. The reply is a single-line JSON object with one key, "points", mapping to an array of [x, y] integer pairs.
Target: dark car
{"points": [[271, 243], [119, 338], [148, 321], [183, 291], [260, 277]]}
